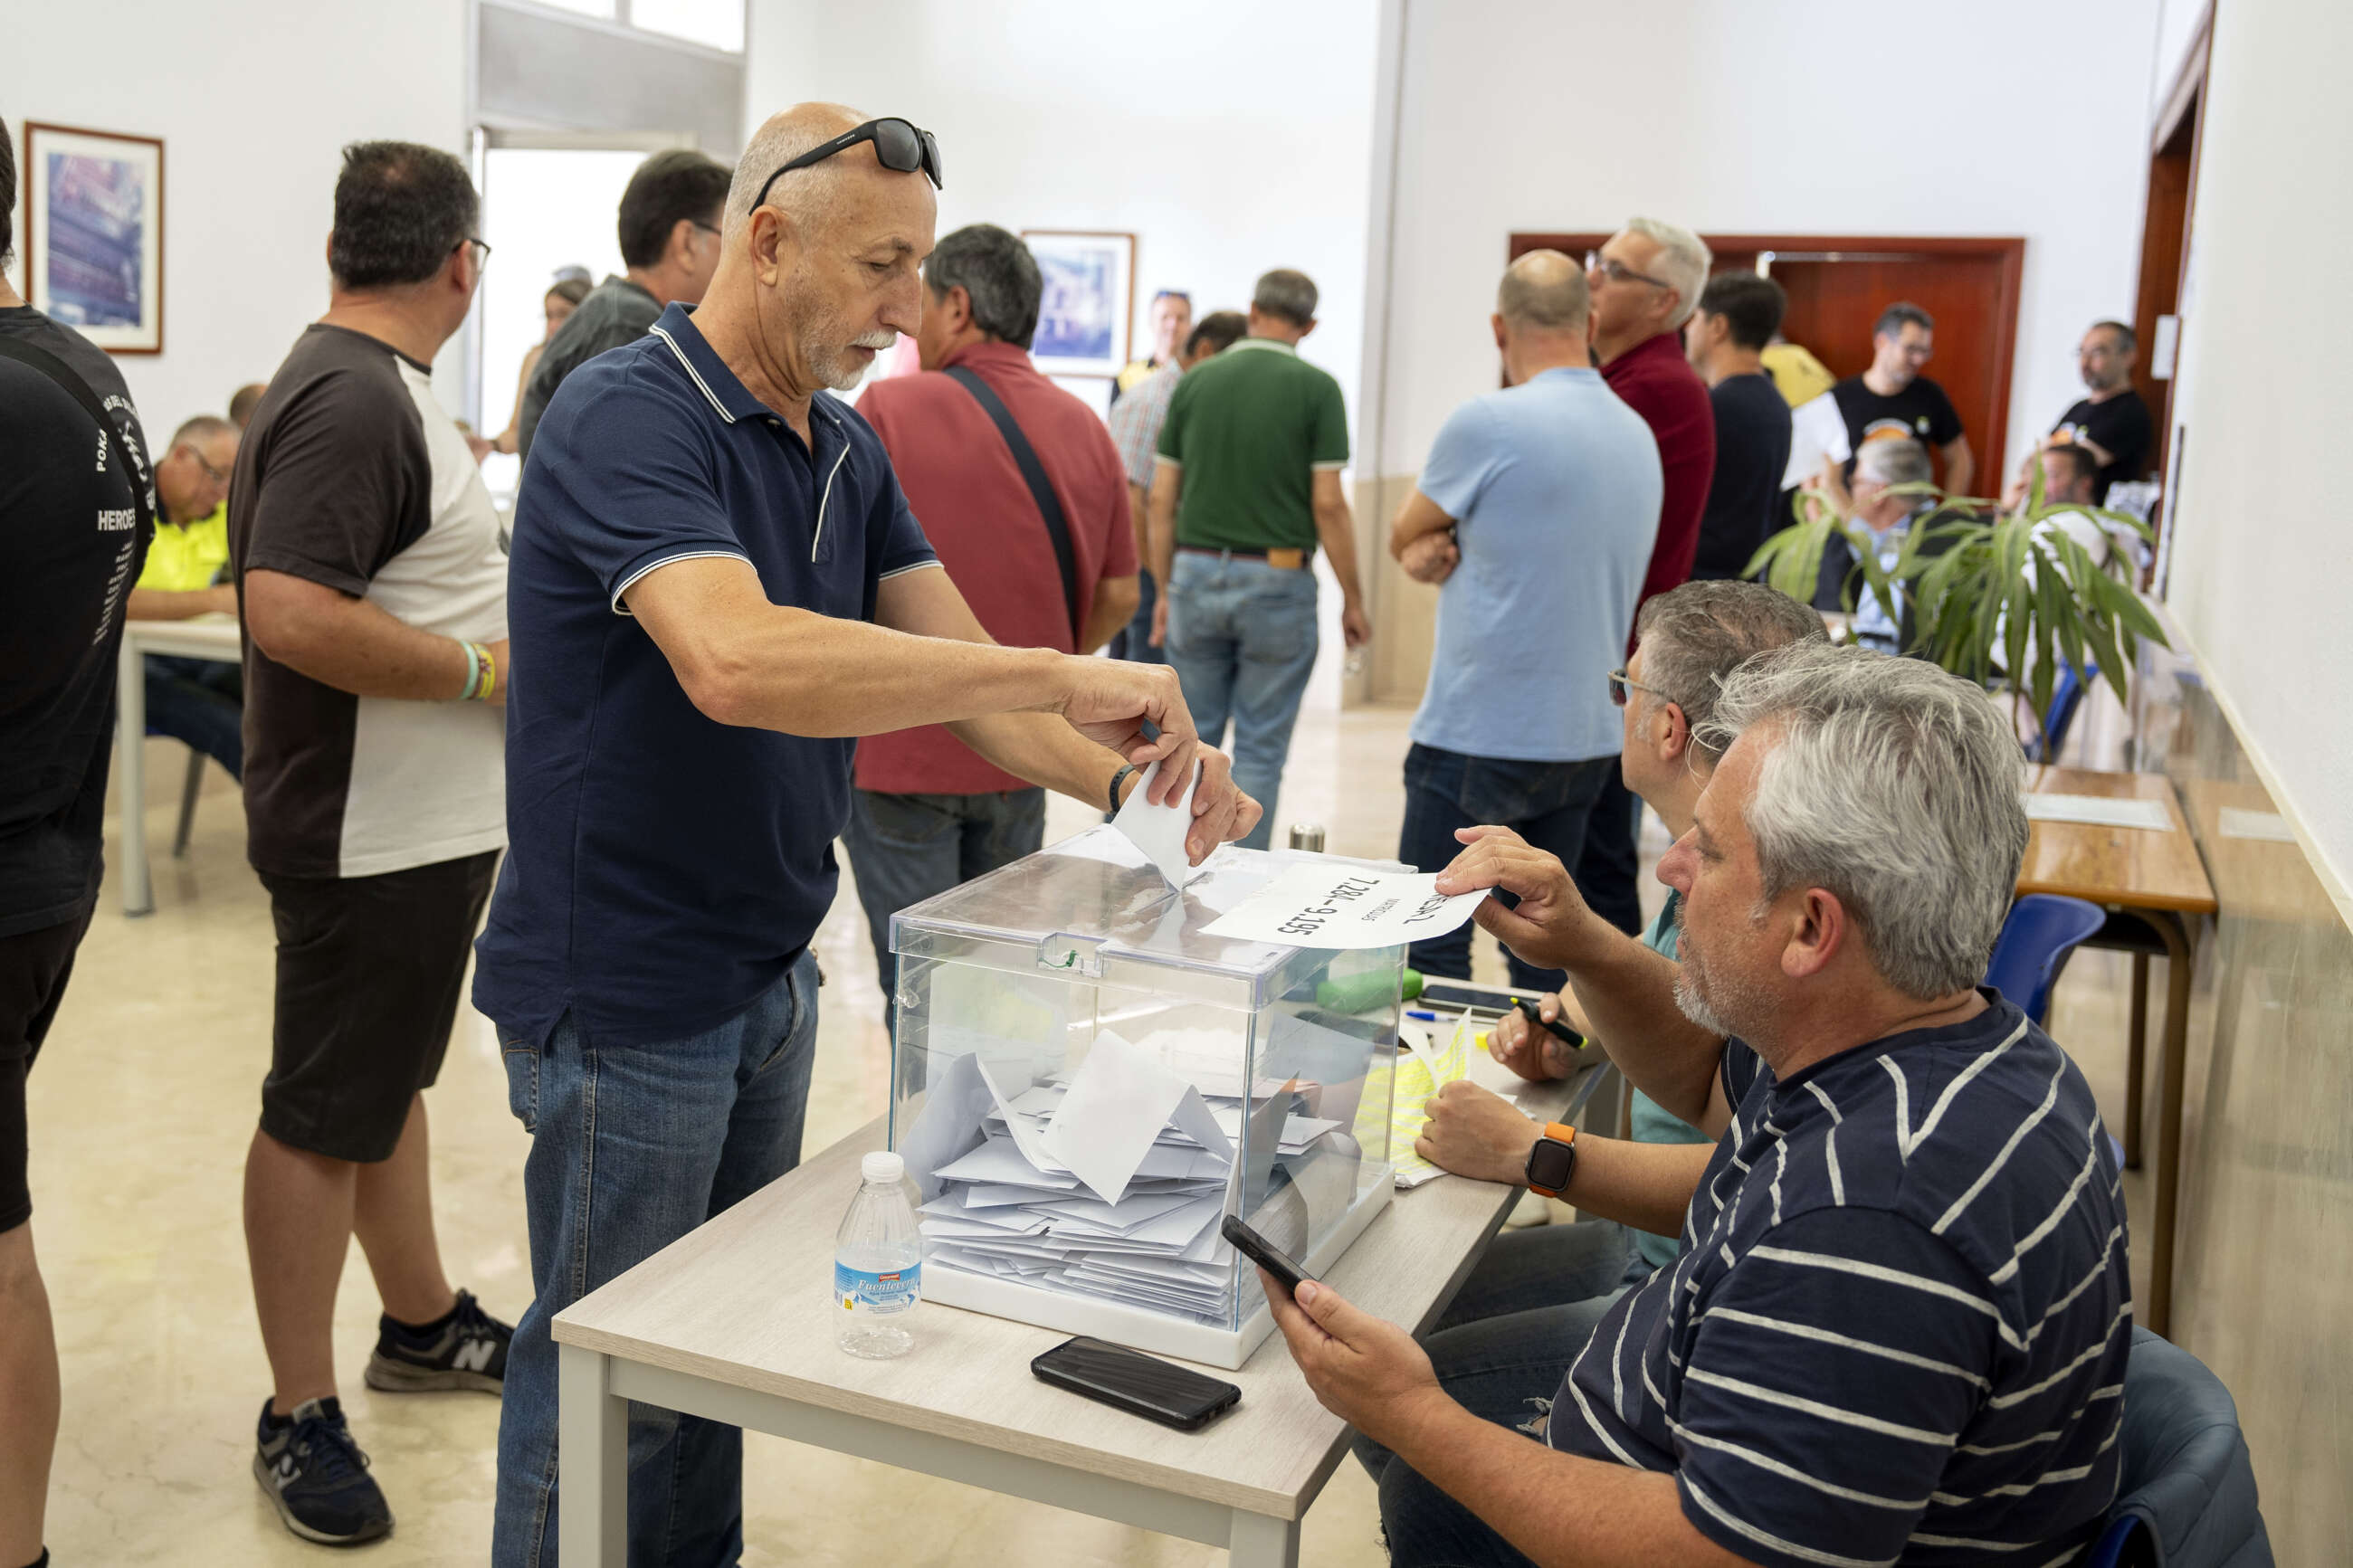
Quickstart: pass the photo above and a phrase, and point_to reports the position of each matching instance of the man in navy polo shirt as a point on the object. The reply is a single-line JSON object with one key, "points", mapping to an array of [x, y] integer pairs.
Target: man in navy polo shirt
{"points": [[717, 586]]}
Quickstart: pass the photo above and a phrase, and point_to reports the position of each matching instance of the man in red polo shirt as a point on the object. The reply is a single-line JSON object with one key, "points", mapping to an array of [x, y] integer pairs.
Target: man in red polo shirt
{"points": [[1645, 283], [929, 813]]}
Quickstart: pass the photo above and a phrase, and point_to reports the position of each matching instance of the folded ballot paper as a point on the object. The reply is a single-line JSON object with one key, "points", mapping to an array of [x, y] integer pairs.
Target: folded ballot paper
{"points": [[1106, 1182]]}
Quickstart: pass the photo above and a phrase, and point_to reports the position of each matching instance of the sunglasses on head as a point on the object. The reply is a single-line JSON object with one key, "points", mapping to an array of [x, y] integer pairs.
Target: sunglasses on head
{"points": [[898, 146]]}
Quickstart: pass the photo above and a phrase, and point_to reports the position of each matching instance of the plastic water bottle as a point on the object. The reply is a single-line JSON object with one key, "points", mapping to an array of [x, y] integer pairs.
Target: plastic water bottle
{"points": [[878, 1262]]}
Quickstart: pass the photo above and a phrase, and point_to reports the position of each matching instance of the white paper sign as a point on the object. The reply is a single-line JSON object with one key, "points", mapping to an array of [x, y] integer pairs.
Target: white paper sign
{"points": [[2097, 811], [1342, 906], [1159, 830]]}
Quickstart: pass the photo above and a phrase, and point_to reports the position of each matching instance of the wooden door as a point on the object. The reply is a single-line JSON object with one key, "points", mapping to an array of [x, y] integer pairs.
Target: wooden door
{"points": [[1839, 284]]}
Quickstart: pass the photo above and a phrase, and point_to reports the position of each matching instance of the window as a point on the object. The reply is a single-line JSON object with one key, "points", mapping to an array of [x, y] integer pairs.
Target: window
{"points": [[716, 23]]}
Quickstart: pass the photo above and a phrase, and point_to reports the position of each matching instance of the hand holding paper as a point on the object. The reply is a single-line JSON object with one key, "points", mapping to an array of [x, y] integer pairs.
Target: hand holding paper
{"points": [[1160, 830], [1552, 928]]}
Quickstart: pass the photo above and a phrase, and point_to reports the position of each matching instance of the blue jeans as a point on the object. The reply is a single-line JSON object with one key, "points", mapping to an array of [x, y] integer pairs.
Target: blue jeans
{"points": [[1132, 641], [1503, 1349], [632, 1147], [1242, 637], [1547, 804], [905, 848], [1608, 872], [200, 701]]}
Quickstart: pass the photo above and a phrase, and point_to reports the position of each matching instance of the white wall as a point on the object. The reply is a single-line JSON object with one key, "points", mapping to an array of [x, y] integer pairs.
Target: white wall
{"points": [[2262, 555], [1832, 117], [254, 102], [2177, 25], [1230, 137]]}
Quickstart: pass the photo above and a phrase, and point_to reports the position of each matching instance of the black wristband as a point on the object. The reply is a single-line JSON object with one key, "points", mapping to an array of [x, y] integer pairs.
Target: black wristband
{"points": [[1118, 779]]}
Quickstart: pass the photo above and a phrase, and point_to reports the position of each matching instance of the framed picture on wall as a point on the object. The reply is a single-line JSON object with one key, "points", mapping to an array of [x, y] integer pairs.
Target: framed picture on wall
{"points": [[1088, 301], [93, 235]]}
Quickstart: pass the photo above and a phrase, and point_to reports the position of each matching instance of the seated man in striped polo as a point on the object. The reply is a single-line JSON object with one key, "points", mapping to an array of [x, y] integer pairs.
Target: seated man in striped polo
{"points": [[1897, 1329]]}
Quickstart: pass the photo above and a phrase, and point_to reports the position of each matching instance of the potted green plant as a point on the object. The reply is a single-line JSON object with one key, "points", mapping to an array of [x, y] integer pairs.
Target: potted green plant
{"points": [[1976, 608]]}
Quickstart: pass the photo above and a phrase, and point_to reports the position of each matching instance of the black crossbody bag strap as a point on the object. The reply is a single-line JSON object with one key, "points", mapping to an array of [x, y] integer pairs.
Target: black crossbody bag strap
{"points": [[1033, 473], [75, 387]]}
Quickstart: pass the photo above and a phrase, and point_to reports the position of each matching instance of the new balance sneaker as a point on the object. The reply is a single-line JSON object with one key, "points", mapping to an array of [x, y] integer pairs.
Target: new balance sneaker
{"points": [[309, 1466], [467, 1349]]}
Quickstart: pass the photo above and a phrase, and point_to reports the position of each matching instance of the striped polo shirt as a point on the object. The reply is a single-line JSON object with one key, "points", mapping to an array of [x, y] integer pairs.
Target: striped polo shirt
{"points": [[1897, 1329]]}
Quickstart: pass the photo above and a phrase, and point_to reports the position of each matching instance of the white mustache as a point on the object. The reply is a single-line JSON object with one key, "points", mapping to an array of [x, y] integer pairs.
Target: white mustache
{"points": [[875, 340]]}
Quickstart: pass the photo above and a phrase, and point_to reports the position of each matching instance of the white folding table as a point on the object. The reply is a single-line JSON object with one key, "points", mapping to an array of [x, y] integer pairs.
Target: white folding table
{"points": [[735, 1323]]}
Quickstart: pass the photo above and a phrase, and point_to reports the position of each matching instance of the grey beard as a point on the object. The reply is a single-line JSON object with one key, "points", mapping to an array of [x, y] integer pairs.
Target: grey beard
{"points": [[1694, 1006]]}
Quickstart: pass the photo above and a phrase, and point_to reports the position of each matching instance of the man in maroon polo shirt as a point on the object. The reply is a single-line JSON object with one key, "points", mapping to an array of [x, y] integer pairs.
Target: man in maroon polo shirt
{"points": [[929, 813], [1645, 283]]}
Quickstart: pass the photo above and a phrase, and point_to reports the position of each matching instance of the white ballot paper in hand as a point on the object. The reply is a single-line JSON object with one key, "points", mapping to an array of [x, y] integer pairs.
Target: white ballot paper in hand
{"points": [[1159, 830], [1343, 906]]}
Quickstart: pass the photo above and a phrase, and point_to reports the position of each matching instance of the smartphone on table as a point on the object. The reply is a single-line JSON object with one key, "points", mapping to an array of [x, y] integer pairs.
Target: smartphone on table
{"points": [[1138, 1384]]}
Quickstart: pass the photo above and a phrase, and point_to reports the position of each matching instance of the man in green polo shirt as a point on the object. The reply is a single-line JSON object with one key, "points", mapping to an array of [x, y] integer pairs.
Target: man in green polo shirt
{"points": [[1245, 486]]}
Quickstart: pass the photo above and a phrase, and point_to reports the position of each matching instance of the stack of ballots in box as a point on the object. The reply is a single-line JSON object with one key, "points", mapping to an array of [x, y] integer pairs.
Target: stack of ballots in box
{"points": [[1107, 1181]]}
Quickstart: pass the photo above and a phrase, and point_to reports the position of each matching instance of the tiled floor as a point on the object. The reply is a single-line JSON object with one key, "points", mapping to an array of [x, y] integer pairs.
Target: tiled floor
{"points": [[144, 1103]]}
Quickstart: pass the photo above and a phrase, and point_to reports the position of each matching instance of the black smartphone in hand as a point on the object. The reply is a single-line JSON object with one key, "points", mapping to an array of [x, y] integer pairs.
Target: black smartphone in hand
{"points": [[1263, 1253], [1138, 1384]]}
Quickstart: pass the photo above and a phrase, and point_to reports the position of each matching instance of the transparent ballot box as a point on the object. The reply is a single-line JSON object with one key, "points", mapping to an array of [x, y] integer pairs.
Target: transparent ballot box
{"points": [[1085, 1083]]}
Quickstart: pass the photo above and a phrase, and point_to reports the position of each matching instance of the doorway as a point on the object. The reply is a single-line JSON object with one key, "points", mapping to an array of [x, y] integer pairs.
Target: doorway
{"points": [[1839, 284], [2161, 303], [545, 208]]}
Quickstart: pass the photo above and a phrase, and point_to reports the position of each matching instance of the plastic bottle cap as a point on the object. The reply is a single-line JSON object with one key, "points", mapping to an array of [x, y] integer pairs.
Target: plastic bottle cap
{"points": [[882, 1166]]}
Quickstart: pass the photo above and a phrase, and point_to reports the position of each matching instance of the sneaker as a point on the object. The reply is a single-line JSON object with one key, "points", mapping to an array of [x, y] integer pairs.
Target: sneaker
{"points": [[312, 1469], [467, 1349]]}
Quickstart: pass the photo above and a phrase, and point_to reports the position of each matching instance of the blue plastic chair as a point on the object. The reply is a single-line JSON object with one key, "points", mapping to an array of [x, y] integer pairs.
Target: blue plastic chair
{"points": [[2186, 1498], [2041, 931], [2066, 697]]}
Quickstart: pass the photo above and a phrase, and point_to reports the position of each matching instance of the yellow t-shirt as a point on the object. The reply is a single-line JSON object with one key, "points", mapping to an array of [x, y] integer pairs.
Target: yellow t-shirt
{"points": [[188, 556], [1797, 374], [1134, 371]]}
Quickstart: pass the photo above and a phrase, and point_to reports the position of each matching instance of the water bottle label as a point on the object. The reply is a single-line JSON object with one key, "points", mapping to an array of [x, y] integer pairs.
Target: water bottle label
{"points": [[881, 1294]]}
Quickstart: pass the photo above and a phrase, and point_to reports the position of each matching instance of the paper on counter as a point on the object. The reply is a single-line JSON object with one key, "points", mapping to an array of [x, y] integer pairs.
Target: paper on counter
{"points": [[2266, 826], [1420, 1074], [2098, 810], [1341, 906], [1159, 830]]}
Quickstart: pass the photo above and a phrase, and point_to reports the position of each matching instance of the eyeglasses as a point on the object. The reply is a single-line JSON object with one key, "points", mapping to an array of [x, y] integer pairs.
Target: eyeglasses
{"points": [[1618, 271], [210, 472], [705, 227], [479, 244], [898, 147], [1620, 685]]}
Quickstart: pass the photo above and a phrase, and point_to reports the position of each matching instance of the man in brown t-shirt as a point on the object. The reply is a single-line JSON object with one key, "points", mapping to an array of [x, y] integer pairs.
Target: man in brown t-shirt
{"points": [[374, 596]]}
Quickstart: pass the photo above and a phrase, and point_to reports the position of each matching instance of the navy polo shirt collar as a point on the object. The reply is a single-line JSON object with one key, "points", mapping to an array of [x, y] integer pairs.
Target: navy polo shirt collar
{"points": [[722, 388]]}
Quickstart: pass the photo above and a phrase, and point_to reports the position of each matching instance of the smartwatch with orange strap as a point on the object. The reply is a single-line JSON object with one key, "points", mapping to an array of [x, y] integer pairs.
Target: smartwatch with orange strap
{"points": [[1553, 1159]]}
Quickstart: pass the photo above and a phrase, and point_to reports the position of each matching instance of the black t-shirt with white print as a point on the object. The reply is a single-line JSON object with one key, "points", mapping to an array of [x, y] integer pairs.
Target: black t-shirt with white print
{"points": [[70, 547], [1921, 411]]}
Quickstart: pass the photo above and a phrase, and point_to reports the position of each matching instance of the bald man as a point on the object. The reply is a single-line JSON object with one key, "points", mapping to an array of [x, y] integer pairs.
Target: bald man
{"points": [[717, 586], [1536, 508]]}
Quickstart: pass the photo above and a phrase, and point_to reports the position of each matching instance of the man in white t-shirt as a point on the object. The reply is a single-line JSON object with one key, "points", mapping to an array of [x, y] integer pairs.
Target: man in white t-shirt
{"points": [[372, 591]]}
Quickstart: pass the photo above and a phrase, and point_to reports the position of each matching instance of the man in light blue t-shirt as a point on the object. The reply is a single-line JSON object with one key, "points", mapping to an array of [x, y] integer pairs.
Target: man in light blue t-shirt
{"points": [[1536, 510]]}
